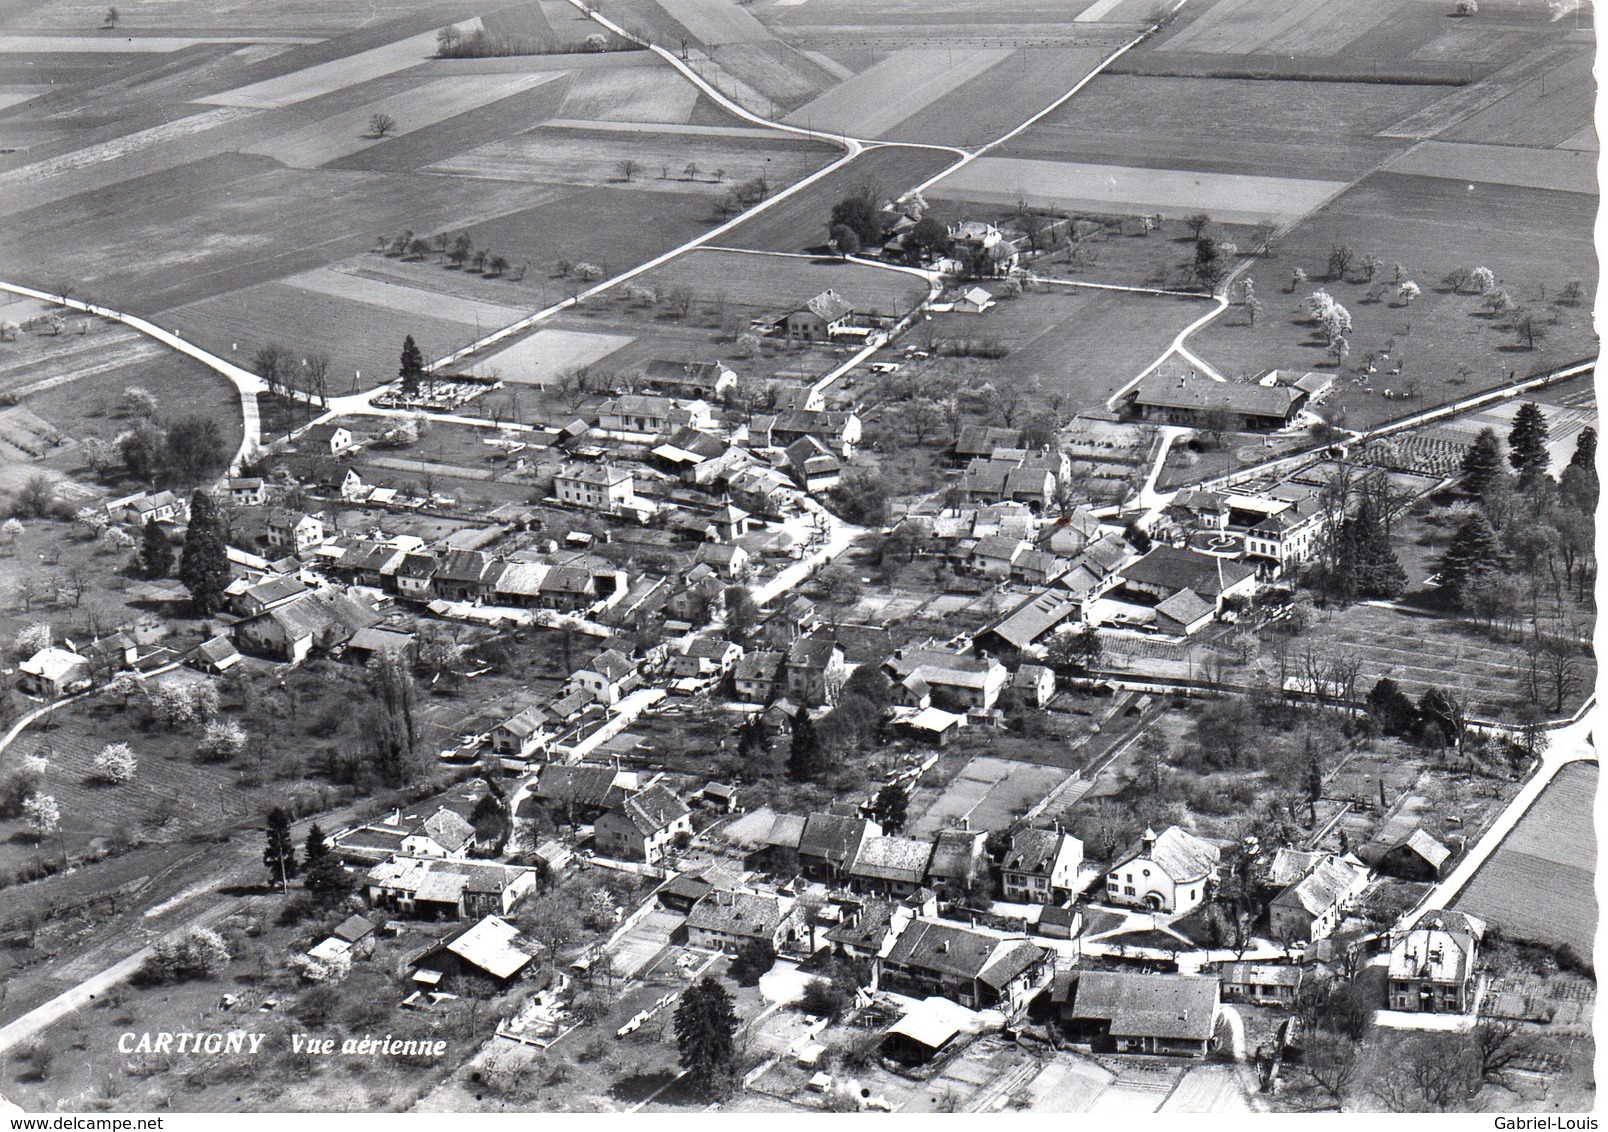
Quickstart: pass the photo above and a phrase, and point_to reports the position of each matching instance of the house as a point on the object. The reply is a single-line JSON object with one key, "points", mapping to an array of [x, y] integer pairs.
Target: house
{"points": [[975, 967], [829, 843], [1288, 537], [1035, 684], [413, 575], [975, 300], [1261, 984], [1033, 620], [644, 826], [837, 430], [764, 491], [1041, 866], [353, 489], [726, 559], [445, 833], [215, 655], [993, 555], [1122, 1012], [116, 653], [683, 891], [610, 675], [1418, 857], [812, 465], [706, 380], [465, 575], [936, 676], [1037, 567], [366, 644], [815, 671], [491, 948], [817, 320], [1165, 873], [755, 676], [637, 414], [1168, 570], [982, 249], [148, 507], [926, 724], [357, 933], [266, 594], [325, 439], [293, 531], [957, 863], [436, 888], [975, 441], [318, 620], [1013, 475], [1058, 921], [725, 920], [580, 792], [696, 457], [1432, 966], [798, 618], [928, 1029], [704, 656], [727, 524], [249, 491], [523, 734], [596, 487], [1200, 402], [1312, 907], [888, 865], [53, 672]]}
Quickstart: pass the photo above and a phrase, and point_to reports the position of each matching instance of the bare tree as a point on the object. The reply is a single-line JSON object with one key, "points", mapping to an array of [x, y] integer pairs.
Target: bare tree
{"points": [[628, 168], [381, 125]]}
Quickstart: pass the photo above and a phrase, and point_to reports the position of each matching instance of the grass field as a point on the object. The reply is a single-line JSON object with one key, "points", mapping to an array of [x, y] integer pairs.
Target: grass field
{"points": [[1530, 238], [538, 359], [1539, 884], [1005, 95], [1266, 128], [425, 104], [1307, 27], [988, 793], [1118, 189], [576, 155]]}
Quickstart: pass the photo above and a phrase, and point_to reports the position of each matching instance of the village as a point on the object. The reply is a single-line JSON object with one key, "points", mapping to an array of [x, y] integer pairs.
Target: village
{"points": [[817, 674]]}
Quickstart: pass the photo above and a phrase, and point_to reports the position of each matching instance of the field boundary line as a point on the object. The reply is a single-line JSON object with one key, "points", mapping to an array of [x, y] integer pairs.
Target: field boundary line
{"points": [[1203, 296]]}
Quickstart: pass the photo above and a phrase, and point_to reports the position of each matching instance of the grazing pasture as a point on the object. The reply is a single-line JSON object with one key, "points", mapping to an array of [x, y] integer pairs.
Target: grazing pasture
{"points": [[1447, 345], [782, 76], [547, 354], [1302, 27], [1119, 189], [426, 104], [879, 98], [582, 156], [1538, 886], [1561, 170]]}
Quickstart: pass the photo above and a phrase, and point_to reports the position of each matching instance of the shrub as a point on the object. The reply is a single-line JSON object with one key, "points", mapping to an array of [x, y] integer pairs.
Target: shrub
{"points": [[200, 954], [823, 998]]}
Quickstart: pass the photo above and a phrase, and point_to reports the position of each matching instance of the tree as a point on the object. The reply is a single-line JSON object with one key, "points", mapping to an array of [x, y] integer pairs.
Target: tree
{"points": [[1456, 279], [1366, 563], [806, 761], [846, 240], [279, 855], [220, 741], [1482, 464], [202, 952], [1077, 652], [111, 18], [1197, 224], [862, 498], [1407, 291], [116, 763], [861, 213], [323, 875], [204, 567], [195, 449], [411, 370], [706, 1031], [156, 552], [1391, 709], [1207, 268], [381, 125], [392, 729], [1483, 279], [37, 497], [1527, 442], [628, 168], [462, 245], [742, 614], [1340, 259], [42, 813], [752, 960], [1441, 715], [890, 807], [551, 920], [927, 238], [1473, 552]]}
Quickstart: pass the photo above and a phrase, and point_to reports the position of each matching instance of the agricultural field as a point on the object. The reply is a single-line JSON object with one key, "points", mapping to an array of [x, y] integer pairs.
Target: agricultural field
{"points": [[1538, 885], [761, 285]]}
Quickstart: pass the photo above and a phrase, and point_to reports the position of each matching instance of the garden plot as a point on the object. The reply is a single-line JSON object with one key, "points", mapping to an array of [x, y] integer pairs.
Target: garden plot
{"points": [[1560, 170], [1538, 885], [891, 91], [988, 793], [341, 135], [337, 74], [71, 358], [548, 353], [1120, 189], [400, 297], [629, 94]]}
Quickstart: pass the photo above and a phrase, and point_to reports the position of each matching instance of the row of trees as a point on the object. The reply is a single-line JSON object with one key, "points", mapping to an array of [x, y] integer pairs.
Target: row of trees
{"points": [[456, 251], [319, 868]]}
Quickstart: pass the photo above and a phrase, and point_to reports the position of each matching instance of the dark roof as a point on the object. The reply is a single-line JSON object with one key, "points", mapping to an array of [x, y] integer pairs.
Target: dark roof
{"points": [[1175, 569], [1033, 850], [1034, 618], [1190, 391], [352, 929], [833, 837], [981, 440], [652, 809], [581, 784], [1150, 1006], [811, 652], [956, 852], [749, 915]]}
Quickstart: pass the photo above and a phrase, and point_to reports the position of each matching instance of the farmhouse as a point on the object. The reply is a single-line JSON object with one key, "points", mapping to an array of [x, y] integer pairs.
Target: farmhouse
{"points": [[812, 465], [644, 826], [933, 676], [446, 888], [895, 866], [597, 487], [817, 320], [1417, 857], [1200, 402], [978, 968], [610, 675], [754, 678], [319, 619], [148, 507], [292, 531], [981, 249], [637, 414], [249, 491], [492, 948], [1311, 908], [705, 656], [1165, 873], [1261, 984], [1432, 966], [522, 734], [724, 920], [579, 793], [325, 439], [53, 672], [705, 380], [829, 843], [975, 441], [958, 861], [1120, 1012], [815, 670]]}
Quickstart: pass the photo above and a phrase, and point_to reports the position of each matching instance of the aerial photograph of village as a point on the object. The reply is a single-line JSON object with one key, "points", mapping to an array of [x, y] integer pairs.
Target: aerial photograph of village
{"points": [[797, 556]]}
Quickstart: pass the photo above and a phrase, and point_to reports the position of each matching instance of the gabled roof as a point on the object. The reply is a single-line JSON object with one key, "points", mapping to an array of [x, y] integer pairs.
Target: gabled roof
{"points": [[1173, 568], [1190, 391], [834, 837], [708, 648], [1328, 882], [814, 652], [761, 665], [611, 664], [747, 915], [1180, 855], [1185, 607], [581, 784], [464, 566], [956, 852], [1034, 850], [981, 440], [1034, 618], [281, 588], [892, 859], [829, 306], [447, 829], [525, 723], [652, 809], [1152, 1006], [1425, 846], [494, 946]]}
